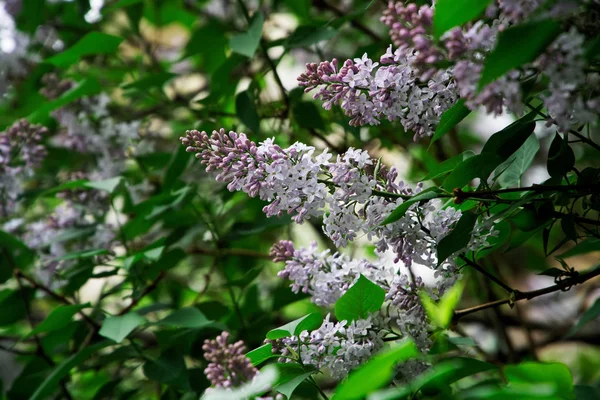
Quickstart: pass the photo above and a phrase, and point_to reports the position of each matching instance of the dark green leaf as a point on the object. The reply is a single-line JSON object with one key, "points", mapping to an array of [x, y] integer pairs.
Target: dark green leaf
{"points": [[246, 111], [118, 327], [376, 373], [451, 371], [308, 322], [307, 35], [91, 44], [586, 246], [447, 166], [363, 298], [13, 253], [518, 45], [12, 304], [188, 317], [246, 43], [153, 81], [519, 163], [307, 115], [168, 369], [58, 318], [561, 158], [583, 392], [290, 376], [458, 238], [451, 117], [61, 370], [590, 314], [451, 13]]}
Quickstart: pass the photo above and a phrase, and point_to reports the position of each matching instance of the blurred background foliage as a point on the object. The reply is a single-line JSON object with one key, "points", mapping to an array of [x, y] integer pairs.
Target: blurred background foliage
{"points": [[193, 259]]}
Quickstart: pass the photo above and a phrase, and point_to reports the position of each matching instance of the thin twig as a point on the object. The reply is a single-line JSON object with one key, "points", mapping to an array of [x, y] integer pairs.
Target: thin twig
{"points": [[59, 297], [518, 296], [150, 288], [483, 271]]}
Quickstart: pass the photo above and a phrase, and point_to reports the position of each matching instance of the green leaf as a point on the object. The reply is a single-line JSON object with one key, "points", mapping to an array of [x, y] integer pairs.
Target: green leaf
{"points": [[447, 166], [261, 354], [519, 163], [458, 238], [584, 392], [479, 166], [399, 212], [246, 43], [585, 246], [51, 383], [290, 376], [518, 45], [306, 323], [451, 117], [168, 369], [257, 386], [561, 158], [119, 327], [376, 373], [246, 111], [307, 35], [450, 371], [91, 44], [13, 252], [362, 298], [590, 314], [86, 87], [451, 13], [498, 148], [13, 306], [149, 82], [108, 185], [307, 115], [539, 373], [188, 317], [83, 254], [58, 318], [442, 312]]}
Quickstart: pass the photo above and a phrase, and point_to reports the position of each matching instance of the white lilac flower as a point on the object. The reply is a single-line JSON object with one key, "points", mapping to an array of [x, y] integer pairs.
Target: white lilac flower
{"points": [[570, 99], [392, 89], [338, 347]]}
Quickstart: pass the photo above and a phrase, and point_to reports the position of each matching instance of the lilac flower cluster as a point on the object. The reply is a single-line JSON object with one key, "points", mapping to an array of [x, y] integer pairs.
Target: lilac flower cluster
{"points": [[338, 347], [391, 89], [346, 192], [86, 127], [228, 367], [327, 277], [411, 85], [21, 151]]}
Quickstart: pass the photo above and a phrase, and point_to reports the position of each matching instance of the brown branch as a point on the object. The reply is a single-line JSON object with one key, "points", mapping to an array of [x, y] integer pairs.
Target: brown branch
{"points": [[150, 288], [518, 296], [19, 274], [483, 271]]}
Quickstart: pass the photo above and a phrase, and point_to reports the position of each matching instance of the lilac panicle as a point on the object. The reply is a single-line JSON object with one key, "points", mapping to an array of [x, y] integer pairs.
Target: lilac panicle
{"points": [[228, 366]]}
